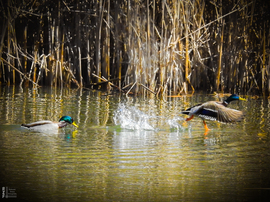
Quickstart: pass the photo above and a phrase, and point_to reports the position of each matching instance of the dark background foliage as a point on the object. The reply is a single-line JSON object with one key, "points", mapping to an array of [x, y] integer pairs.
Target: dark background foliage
{"points": [[160, 47]]}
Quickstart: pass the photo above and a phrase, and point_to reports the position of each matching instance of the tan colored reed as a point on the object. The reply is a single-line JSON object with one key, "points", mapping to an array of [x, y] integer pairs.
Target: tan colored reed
{"points": [[143, 47]]}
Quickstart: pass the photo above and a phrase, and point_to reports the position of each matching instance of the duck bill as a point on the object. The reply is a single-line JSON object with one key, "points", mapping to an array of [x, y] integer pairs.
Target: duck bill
{"points": [[74, 124], [242, 99]]}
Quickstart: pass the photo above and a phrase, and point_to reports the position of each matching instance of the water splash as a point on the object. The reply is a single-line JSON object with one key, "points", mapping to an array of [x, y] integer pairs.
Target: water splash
{"points": [[174, 123], [130, 117]]}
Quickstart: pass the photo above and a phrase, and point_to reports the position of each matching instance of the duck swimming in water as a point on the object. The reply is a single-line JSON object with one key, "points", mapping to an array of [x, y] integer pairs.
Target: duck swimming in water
{"points": [[46, 125], [215, 111]]}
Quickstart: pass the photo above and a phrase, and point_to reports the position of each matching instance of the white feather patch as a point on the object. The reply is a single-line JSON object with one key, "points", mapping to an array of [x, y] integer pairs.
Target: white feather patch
{"points": [[208, 117]]}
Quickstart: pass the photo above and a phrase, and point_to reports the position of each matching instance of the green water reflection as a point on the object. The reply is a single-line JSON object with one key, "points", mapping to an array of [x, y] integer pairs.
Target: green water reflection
{"points": [[101, 161]]}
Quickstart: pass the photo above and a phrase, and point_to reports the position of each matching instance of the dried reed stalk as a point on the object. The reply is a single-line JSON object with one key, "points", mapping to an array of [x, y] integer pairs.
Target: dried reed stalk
{"points": [[171, 47]]}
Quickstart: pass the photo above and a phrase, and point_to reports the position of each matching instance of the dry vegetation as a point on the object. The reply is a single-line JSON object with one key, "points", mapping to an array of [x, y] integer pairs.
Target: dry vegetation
{"points": [[156, 47]]}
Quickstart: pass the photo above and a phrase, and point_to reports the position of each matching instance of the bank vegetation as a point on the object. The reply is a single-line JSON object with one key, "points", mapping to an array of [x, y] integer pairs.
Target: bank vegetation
{"points": [[160, 47]]}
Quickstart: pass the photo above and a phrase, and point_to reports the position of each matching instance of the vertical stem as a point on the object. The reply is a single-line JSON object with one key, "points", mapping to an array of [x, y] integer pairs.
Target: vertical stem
{"points": [[49, 75], [148, 59], [80, 66], [108, 43], [129, 46], [220, 57], [117, 51], [34, 66], [78, 43], [58, 35], [62, 59], [99, 26], [161, 58], [8, 45], [187, 44], [88, 61], [263, 65], [25, 48]]}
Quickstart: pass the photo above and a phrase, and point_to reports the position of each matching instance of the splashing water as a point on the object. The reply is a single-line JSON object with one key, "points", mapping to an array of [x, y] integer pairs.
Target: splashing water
{"points": [[129, 117], [174, 123]]}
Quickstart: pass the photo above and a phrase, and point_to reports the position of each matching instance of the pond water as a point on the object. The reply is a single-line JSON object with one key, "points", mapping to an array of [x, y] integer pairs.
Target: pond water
{"points": [[130, 149]]}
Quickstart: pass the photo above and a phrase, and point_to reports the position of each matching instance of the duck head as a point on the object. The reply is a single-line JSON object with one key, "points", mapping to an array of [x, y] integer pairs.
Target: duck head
{"points": [[233, 97], [69, 120]]}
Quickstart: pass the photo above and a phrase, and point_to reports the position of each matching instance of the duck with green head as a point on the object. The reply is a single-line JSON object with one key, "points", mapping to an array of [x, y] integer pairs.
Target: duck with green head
{"points": [[46, 125], [215, 111]]}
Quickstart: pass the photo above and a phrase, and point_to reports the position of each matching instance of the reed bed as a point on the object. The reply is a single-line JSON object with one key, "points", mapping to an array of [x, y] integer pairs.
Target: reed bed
{"points": [[168, 47]]}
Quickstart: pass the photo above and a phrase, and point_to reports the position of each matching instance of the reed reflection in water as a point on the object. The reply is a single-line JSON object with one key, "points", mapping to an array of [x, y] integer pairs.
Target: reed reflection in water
{"points": [[130, 149]]}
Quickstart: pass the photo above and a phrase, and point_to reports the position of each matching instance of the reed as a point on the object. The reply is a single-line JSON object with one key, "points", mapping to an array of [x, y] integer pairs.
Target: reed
{"points": [[155, 47]]}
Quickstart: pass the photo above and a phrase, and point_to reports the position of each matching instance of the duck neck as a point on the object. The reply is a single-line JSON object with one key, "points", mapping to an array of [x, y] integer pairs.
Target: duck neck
{"points": [[62, 124], [225, 103]]}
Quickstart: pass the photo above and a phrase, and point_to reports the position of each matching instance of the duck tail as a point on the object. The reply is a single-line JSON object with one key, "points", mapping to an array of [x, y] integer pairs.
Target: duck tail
{"points": [[185, 112], [25, 125]]}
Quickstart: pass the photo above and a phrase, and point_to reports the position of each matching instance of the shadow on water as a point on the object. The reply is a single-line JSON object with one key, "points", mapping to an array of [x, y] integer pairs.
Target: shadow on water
{"points": [[130, 149]]}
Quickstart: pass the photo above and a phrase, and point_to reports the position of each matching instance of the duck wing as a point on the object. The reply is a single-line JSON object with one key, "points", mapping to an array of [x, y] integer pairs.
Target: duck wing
{"points": [[216, 111], [192, 110], [38, 123]]}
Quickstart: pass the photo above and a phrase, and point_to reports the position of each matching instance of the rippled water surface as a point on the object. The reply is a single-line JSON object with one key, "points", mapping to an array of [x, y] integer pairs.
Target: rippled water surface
{"points": [[130, 149]]}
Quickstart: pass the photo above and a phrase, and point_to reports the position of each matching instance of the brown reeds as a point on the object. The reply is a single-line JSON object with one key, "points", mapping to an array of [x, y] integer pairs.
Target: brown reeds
{"points": [[145, 47]]}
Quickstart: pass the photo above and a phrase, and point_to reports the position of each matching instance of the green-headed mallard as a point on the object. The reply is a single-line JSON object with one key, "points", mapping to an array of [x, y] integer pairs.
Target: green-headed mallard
{"points": [[46, 125], [215, 111]]}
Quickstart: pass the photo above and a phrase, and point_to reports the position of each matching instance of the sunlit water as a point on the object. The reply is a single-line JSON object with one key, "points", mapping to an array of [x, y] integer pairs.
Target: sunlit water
{"points": [[130, 149]]}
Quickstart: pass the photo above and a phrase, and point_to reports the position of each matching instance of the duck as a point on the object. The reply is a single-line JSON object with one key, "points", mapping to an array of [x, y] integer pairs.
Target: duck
{"points": [[216, 111], [46, 125]]}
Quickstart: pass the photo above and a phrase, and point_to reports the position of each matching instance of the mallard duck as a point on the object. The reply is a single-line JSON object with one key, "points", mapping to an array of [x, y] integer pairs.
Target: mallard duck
{"points": [[50, 125], [215, 111]]}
